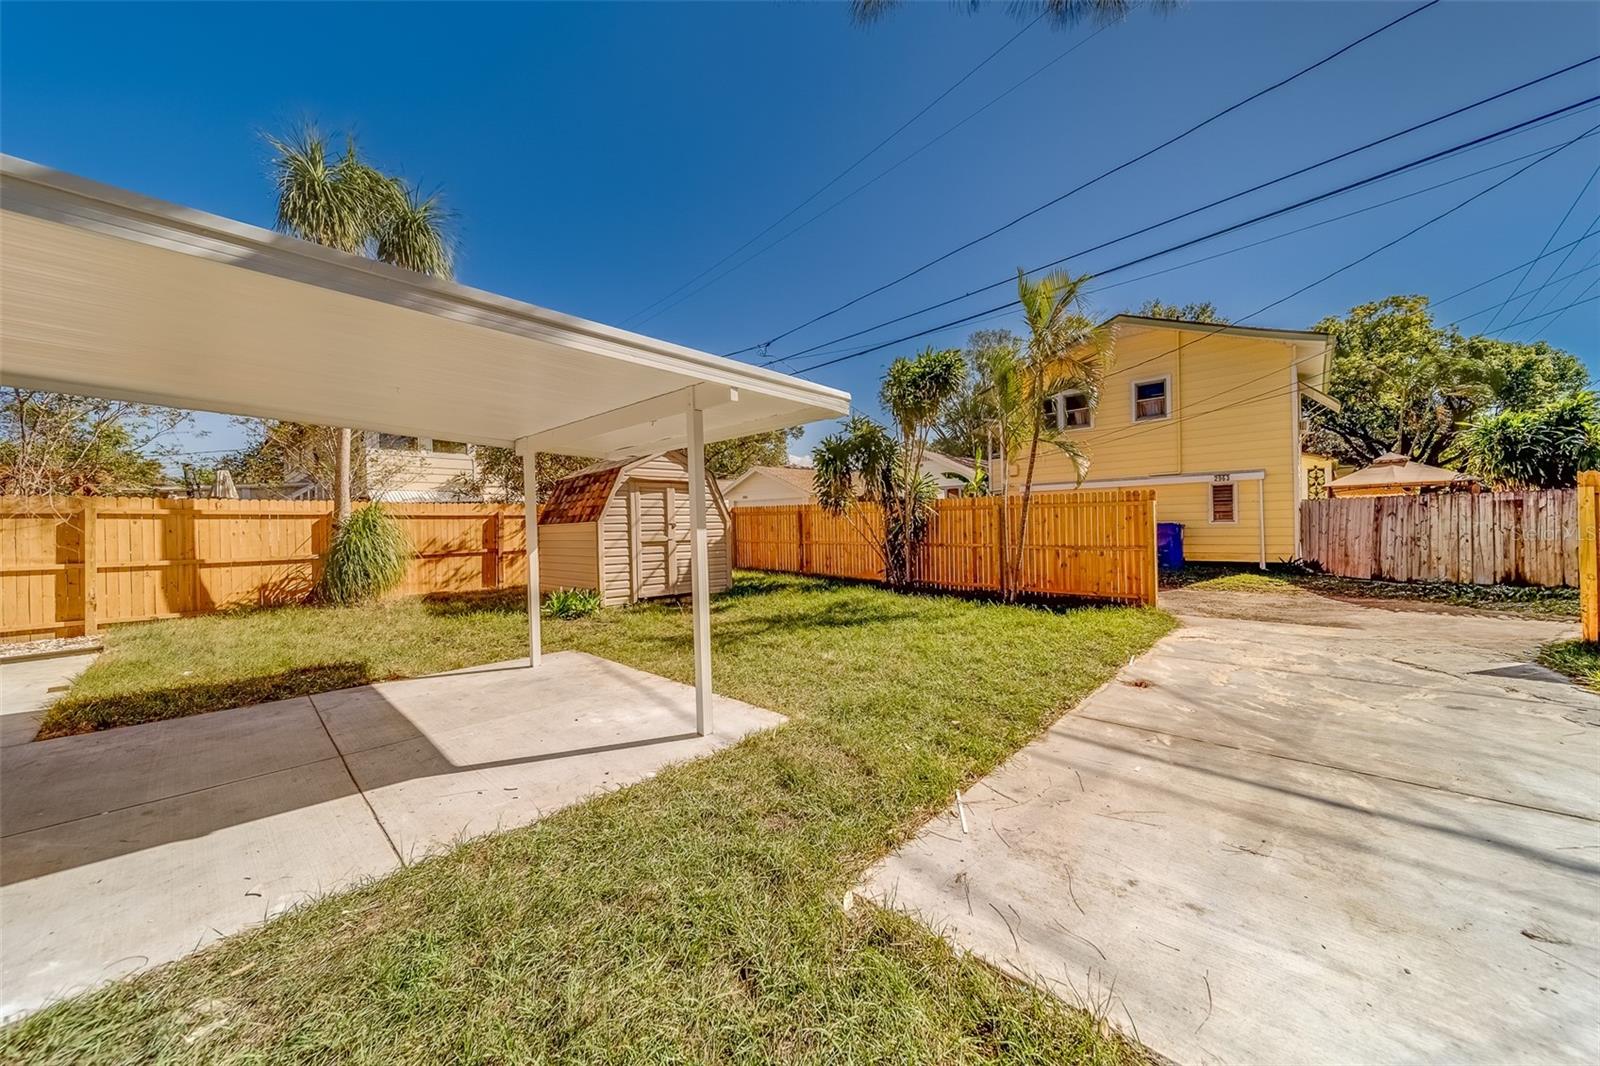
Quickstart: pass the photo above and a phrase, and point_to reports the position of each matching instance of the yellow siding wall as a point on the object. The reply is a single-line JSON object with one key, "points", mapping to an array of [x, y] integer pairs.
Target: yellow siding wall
{"points": [[567, 557], [1231, 411]]}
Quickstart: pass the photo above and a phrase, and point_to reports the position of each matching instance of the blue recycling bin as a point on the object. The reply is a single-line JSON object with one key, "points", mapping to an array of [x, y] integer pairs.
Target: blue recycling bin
{"points": [[1169, 545]]}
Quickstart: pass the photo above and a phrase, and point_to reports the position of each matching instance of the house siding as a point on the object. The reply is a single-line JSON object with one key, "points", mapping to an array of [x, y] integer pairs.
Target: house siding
{"points": [[1231, 412]]}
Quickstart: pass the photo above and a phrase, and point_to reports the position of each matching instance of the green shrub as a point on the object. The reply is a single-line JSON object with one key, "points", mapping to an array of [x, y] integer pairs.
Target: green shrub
{"points": [[571, 603], [367, 559]]}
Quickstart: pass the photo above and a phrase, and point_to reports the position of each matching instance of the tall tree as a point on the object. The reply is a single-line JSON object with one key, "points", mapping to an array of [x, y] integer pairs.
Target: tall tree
{"points": [[340, 201], [1065, 350], [1535, 447], [867, 462], [967, 426], [1408, 385], [1205, 311], [57, 445]]}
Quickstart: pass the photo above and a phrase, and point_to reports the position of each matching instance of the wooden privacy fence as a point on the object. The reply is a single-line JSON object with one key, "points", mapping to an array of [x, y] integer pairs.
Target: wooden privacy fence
{"points": [[71, 564], [1528, 538], [1099, 545], [1589, 553]]}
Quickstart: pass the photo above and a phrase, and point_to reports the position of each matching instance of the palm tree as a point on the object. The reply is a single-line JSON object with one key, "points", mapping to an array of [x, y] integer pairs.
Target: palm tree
{"points": [[343, 202], [1065, 351]]}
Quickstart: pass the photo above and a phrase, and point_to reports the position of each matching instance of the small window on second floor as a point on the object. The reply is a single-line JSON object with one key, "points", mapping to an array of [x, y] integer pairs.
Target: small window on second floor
{"points": [[1052, 411], [1075, 407], [398, 442], [1222, 502], [449, 447], [1150, 399]]}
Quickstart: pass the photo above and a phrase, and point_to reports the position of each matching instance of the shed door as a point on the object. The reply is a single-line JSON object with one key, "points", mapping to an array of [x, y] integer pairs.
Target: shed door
{"points": [[661, 556]]}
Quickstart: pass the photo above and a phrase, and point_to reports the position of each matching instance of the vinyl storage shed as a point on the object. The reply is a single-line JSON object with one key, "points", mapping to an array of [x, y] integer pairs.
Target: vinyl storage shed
{"points": [[622, 528]]}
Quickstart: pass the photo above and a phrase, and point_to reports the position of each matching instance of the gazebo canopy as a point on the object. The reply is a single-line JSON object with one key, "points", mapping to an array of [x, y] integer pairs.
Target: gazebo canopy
{"points": [[108, 293], [1393, 472]]}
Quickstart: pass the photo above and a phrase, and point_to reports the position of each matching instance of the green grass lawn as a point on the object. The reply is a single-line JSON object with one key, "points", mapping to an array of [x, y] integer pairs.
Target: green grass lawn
{"points": [[1525, 600], [1577, 660], [695, 917]]}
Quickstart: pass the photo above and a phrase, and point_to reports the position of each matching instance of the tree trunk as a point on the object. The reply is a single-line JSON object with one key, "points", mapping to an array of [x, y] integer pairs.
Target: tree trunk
{"points": [[1022, 519], [341, 480]]}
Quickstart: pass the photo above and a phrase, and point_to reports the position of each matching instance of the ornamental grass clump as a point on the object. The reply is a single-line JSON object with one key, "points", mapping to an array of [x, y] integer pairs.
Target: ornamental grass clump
{"points": [[368, 558]]}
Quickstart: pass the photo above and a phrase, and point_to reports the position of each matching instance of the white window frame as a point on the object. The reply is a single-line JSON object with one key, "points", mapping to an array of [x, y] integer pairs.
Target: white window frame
{"points": [[1053, 411], [1061, 409], [1211, 503], [1133, 398]]}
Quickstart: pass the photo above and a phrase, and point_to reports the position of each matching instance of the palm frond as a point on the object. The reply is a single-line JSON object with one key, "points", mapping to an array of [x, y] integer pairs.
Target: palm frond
{"points": [[415, 233]]}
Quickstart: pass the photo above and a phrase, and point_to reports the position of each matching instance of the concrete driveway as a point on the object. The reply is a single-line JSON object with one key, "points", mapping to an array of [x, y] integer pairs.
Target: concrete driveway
{"points": [[1299, 830], [132, 847]]}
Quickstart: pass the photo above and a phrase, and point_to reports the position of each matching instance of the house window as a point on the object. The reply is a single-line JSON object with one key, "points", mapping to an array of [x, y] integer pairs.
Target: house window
{"points": [[1052, 411], [1067, 410], [397, 442], [449, 447], [1075, 409], [1150, 399], [1222, 503]]}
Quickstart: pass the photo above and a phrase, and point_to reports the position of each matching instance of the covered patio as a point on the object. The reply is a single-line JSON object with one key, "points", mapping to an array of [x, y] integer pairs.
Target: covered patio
{"points": [[112, 294]]}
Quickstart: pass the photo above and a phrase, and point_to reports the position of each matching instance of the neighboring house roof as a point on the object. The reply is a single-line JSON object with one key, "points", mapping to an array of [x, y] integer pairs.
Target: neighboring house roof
{"points": [[938, 464], [1393, 470], [796, 477]]}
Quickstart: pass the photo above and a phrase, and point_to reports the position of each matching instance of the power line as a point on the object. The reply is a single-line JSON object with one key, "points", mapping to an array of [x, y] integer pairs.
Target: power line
{"points": [[1215, 203], [1546, 285], [1564, 216], [1571, 247], [1389, 244], [1552, 323], [1348, 187], [1203, 259], [1512, 270], [902, 161], [836, 178], [1147, 153]]}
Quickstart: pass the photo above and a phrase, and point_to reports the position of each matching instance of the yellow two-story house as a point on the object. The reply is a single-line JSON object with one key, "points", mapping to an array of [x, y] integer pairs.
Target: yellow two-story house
{"points": [[1210, 417]]}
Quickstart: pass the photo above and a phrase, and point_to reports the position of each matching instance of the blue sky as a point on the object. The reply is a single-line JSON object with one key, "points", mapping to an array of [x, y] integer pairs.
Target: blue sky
{"points": [[599, 156]]}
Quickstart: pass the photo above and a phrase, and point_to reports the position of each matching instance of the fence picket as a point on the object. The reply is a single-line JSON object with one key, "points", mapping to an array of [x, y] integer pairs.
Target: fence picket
{"points": [[1487, 539], [1098, 545]]}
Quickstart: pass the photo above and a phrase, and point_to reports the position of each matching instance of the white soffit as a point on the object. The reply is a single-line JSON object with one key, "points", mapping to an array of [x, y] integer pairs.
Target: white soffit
{"points": [[107, 293]]}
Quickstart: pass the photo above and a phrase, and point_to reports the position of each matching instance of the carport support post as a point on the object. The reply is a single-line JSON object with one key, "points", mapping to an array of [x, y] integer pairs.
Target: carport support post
{"points": [[530, 512], [699, 566]]}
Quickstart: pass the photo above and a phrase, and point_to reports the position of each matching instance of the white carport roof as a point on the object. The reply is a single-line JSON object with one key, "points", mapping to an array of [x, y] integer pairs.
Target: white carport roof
{"points": [[107, 293]]}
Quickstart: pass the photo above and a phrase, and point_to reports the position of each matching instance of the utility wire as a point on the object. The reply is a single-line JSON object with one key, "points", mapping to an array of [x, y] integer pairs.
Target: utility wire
{"points": [[1215, 203], [1318, 224], [1562, 311], [1571, 247], [1341, 190], [1147, 153], [1564, 216], [837, 177], [818, 348], [1222, 328], [902, 161]]}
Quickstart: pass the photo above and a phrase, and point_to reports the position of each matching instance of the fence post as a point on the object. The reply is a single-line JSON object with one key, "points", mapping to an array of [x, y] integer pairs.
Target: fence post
{"points": [[496, 535], [803, 536], [1588, 559], [91, 568]]}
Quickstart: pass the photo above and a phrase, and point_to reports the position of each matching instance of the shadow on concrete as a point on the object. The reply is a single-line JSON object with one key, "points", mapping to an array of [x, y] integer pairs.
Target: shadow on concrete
{"points": [[80, 800]]}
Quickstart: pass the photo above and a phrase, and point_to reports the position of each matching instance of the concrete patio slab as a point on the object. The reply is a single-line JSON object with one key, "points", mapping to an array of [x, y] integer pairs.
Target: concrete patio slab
{"points": [[26, 689], [1371, 839], [132, 847], [445, 758]]}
